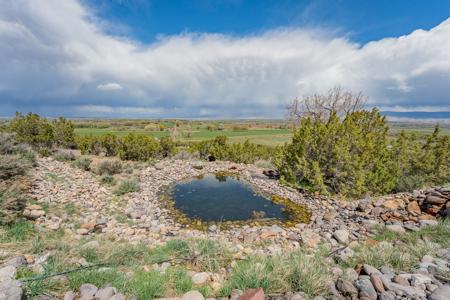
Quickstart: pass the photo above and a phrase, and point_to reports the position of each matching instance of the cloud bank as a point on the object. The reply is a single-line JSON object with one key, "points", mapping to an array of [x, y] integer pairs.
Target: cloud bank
{"points": [[56, 58]]}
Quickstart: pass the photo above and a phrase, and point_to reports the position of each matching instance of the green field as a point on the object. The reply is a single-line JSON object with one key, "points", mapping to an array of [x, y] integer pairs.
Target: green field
{"points": [[270, 137], [191, 131], [101, 131]]}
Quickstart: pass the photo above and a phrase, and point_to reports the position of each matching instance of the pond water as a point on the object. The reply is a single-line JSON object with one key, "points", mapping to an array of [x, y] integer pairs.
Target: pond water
{"points": [[223, 198]]}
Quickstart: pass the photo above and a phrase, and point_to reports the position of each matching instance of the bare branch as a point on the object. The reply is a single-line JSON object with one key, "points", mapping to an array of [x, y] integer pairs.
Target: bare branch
{"points": [[321, 106]]}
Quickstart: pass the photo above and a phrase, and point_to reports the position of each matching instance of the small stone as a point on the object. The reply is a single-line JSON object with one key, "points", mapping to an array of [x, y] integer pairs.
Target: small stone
{"points": [[8, 272], [118, 296], [401, 280], [35, 214], [337, 272], [387, 295], [419, 279], [105, 293], [431, 287], [369, 270], [345, 254], [351, 274], [310, 239], [16, 262], [387, 271], [393, 204], [44, 297], [193, 295], [346, 288], [377, 283], [82, 231], [70, 295], [11, 290], [395, 228], [87, 291], [252, 294], [441, 293], [298, 297], [413, 207], [200, 278], [427, 259], [366, 288], [341, 236], [91, 245], [432, 199]]}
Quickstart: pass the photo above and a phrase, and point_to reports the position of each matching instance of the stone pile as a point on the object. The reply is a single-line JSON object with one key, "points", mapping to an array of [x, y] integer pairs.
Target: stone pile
{"points": [[370, 283], [408, 211]]}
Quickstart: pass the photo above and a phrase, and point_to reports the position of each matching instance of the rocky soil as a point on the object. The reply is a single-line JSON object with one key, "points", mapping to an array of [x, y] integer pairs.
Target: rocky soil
{"points": [[74, 200]]}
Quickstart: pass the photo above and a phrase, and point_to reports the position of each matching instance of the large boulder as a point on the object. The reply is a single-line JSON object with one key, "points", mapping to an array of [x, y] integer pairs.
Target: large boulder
{"points": [[441, 293]]}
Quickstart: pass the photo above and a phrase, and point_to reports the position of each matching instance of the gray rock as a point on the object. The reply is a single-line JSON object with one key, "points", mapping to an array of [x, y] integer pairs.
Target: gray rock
{"points": [[11, 290], [70, 295], [91, 245], [366, 288], [345, 254], [441, 293], [159, 166], [16, 262], [427, 259], [444, 253], [387, 295], [369, 270], [298, 296], [408, 291], [395, 228], [411, 227], [193, 295], [341, 236], [346, 288], [402, 280], [428, 222], [200, 278], [385, 270], [118, 296], [87, 291], [431, 287], [105, 293], [44, 297], [8, 272], [419, 279], [350, 274]]}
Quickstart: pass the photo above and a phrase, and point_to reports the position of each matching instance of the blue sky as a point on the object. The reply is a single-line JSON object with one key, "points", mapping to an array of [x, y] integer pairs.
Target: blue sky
{"points": [[362, 21], [219, 59]]}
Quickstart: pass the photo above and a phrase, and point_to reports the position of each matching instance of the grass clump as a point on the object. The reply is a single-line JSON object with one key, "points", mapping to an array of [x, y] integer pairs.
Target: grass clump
{"points": [[108, 180], [148, 285], [99, 277], [64, 155], [297, 272], [402, 251], [12, 165], [20, 230], [12, 203], [109, 167], [83, 163], [127, 186]]}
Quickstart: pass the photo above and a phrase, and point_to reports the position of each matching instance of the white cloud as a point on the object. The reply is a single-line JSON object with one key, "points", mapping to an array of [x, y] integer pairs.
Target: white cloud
{"points": [[110, 86], [54, 54]]}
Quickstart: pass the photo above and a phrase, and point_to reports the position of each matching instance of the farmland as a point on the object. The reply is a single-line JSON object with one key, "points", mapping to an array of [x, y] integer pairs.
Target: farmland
{"points": [[263, 132]]}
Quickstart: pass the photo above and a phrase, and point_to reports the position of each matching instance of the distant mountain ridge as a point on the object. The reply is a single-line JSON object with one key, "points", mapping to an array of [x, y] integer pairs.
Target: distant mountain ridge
{"points": [[418, 114]]}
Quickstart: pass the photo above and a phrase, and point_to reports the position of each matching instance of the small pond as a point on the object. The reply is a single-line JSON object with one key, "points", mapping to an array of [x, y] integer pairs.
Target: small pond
{"points": [[222, 198]]}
